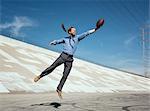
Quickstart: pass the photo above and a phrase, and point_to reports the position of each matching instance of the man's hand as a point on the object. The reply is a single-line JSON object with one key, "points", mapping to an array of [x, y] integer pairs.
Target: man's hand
{"points": [[52, 43], [91, 31], [99, 24]]}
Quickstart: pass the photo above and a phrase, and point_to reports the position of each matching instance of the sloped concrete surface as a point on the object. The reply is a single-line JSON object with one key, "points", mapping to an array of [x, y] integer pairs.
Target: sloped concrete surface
{"points": [[21, 62]]}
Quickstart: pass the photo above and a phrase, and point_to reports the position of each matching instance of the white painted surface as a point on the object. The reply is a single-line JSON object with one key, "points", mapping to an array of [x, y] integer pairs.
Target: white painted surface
{"points": [[3, 89], [21, 62]]}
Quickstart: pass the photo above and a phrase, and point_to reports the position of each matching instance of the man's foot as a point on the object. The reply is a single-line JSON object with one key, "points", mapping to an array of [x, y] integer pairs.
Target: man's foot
{"points": [[37, 78], [59, 93]]}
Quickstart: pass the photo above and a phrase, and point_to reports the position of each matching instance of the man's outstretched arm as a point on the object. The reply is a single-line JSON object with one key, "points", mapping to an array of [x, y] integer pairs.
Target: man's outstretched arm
{"points": [[83, 35], [55, 42]]}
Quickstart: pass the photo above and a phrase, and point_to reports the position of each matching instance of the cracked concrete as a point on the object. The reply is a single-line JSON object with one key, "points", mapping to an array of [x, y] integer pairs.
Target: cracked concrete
{"points": [[75, 102]]}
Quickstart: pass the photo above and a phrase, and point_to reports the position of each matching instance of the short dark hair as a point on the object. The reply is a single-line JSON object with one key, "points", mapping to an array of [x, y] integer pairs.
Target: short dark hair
{"points": [[69, 29]]}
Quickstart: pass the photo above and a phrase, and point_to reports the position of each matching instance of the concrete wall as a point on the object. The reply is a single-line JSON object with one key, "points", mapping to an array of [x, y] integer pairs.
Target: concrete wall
{"points": [[21, 62]]}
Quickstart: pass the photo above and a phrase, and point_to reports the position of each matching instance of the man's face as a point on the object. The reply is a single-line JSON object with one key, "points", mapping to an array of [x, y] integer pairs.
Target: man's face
{"points": [[73, 31]]}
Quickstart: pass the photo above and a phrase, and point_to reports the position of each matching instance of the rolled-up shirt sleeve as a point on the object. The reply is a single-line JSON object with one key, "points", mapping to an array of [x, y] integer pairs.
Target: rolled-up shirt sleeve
{"points": [[83, 35]]}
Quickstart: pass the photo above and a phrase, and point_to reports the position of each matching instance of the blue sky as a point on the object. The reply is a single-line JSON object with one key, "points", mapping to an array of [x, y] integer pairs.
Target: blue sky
{"points": [[117, 44]]}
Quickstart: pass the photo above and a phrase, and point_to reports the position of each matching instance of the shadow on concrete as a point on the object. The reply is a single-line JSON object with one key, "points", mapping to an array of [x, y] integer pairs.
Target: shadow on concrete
{"points": [[57, 105], [54, 104]]}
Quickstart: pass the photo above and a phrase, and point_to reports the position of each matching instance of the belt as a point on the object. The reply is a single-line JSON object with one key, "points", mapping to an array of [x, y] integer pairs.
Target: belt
{"points": [[68, 54]]}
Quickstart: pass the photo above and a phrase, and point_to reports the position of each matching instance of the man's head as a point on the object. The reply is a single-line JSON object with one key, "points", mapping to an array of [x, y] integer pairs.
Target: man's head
{"points": [[72, 31]]}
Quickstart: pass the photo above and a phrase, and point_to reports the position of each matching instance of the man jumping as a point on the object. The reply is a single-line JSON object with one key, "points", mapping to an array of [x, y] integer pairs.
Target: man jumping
{"points": [[66, 57]]}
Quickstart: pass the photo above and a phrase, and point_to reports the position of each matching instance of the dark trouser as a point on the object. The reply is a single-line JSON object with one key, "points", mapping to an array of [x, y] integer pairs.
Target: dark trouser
{"points": [[63, 58]]}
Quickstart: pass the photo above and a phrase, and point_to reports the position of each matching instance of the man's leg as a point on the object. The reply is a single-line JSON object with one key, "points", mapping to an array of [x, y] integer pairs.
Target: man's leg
{"points": [[67, 69], [48, 70]]}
